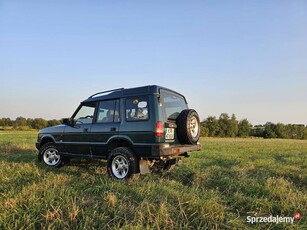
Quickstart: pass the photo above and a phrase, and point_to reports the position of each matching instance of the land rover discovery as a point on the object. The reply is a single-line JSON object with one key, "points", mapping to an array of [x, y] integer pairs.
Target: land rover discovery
{"points": [[133, 129]]}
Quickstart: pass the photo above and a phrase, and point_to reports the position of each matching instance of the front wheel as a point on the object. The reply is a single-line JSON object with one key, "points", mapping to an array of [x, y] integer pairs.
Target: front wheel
{"points": [[49, 154], [122, 164]]}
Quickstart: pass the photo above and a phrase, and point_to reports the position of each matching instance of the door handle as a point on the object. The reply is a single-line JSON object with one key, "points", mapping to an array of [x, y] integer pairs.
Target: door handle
{"points": [[113, 129], [85, 130]]}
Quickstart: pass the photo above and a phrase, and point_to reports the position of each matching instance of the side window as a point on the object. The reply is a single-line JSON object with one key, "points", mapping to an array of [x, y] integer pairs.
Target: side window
{"points": [[108, 111], [85, 114], [137, 109]]}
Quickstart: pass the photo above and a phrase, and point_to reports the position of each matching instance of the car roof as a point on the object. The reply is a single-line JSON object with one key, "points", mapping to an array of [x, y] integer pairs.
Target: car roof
{"points": [[122, 92]]}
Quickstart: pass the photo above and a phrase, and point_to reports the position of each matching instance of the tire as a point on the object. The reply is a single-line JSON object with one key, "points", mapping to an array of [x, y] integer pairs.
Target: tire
{"points": [[49, 154], [122, 164], [188, 127]]}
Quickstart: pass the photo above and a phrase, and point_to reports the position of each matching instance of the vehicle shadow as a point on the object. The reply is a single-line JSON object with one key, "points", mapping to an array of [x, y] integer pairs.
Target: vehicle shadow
{"points": [[76, 167]]}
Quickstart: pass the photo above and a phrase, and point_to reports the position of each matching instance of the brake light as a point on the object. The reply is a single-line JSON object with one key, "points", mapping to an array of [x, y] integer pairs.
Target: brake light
{"points": [[159, 129]]}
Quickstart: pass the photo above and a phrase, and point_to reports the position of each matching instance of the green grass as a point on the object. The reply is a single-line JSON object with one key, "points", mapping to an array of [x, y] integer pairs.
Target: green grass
{"points": [[216, 188]]}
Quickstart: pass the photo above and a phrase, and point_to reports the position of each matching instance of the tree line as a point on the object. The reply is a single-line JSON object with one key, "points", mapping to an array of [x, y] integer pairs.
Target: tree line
{"points": [[229, 126], [223, 126], [22, 123]]}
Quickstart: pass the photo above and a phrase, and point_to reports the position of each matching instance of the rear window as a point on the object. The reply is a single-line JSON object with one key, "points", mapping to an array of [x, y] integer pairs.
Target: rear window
{"points": [[172, 104]]}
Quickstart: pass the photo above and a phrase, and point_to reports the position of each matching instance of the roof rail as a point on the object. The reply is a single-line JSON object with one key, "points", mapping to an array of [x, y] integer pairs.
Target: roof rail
{"points": [[119, 89]]}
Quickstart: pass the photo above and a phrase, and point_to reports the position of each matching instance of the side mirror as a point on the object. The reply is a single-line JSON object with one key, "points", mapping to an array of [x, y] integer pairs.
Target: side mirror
{"points": [[66, 121]]}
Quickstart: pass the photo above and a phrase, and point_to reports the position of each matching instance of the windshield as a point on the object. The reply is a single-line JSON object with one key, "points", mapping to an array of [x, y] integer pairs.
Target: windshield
{"points": [[172, 104]]}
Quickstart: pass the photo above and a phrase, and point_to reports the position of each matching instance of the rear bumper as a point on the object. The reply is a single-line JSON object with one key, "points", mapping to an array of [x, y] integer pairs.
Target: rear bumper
{"points": [[166, 150]]}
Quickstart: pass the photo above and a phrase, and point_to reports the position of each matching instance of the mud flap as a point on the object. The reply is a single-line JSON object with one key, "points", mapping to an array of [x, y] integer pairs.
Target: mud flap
{"points": [[144, 167]]}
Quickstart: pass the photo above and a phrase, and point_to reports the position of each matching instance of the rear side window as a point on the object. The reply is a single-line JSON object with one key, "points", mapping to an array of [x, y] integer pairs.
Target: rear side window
{"points": [[137, 109], [172, 104], [108, 112]]}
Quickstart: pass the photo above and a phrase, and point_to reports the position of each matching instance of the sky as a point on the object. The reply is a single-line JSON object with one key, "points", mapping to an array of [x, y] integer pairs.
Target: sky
{"points": [[243, 57]]}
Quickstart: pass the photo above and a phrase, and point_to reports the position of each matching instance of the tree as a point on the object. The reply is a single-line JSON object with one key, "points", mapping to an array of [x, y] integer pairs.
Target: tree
{"points": [[280, 130], [20, 121], [6, 122], [212, 125], [30, 123], [204, 131], [223, 125], [297, 131], [269, 130], [305, 133], [39, 123], [244, 128], [232, 130], [53, 122]]}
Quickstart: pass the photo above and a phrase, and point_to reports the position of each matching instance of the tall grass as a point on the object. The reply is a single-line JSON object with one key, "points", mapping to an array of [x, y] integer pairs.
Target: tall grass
{"points": [[216, 188]]}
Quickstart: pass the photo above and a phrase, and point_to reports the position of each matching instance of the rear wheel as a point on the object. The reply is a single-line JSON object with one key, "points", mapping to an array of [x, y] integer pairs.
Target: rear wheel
{"points": [[49, 154], [188, 127], [122, 164]]}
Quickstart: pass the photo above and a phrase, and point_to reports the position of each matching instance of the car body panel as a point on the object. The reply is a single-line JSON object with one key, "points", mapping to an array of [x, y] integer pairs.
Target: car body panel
{"points": [[100, 136]]}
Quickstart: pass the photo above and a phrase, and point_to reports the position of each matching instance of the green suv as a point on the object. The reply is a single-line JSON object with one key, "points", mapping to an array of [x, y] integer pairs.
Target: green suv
{"points": [[134, 129]]}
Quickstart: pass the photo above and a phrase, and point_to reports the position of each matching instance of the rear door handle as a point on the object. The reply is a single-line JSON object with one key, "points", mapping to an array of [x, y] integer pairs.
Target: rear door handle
{"points": [[85, 130], [113, 129]]}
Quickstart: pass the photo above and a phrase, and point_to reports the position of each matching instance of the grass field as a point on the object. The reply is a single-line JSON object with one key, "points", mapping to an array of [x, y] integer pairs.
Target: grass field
{"points": [[216, 188]]}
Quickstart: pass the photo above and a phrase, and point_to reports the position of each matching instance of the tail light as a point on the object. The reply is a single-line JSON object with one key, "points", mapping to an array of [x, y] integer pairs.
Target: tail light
{"points": [[159, 129]]}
